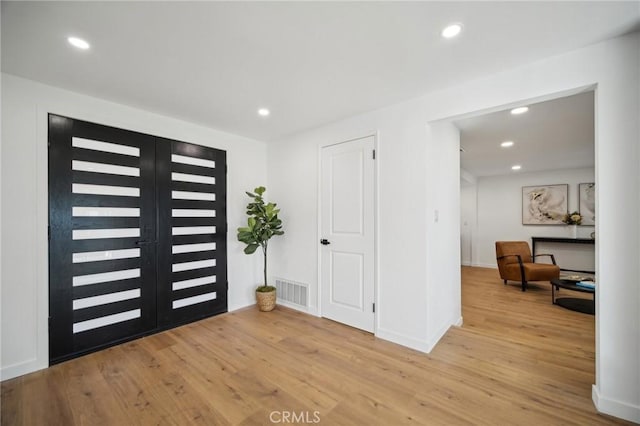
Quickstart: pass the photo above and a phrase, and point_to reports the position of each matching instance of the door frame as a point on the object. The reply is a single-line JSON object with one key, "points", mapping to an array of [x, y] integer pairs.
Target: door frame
{"points": [[376, 213]]}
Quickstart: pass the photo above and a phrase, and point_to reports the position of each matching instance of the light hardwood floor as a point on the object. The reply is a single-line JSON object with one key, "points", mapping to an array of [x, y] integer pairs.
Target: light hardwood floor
{"points": [[518, 360]]}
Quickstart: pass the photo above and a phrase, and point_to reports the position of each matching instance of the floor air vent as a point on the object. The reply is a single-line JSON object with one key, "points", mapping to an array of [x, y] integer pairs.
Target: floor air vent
{"points": [[291, 292]]}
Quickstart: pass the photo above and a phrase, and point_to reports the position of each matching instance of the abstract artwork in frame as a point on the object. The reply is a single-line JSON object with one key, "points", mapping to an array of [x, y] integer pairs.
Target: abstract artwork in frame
{"points": [[587, 203], [544, 204]]}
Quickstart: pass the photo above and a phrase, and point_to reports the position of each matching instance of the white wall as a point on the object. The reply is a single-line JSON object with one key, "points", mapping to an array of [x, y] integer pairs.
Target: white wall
{"points": [[408, 195], [401, 218], [499, 214], [293, 187], [24, 204], [443, 220], [468, 222]]}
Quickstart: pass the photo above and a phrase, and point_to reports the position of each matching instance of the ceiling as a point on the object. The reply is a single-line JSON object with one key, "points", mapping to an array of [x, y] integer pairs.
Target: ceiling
{"points": [[552, 135], [310, 63]]}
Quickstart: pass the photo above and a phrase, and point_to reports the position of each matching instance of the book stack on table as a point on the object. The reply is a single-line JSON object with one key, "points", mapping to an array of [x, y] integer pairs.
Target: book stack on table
{"points": [[586, 284]]}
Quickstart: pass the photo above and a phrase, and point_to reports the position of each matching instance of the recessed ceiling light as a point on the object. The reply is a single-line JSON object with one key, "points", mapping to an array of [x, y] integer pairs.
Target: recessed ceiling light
{"points": [[263, 112], [451, 31], [519, 110], [78, 42], [506, 144], [516, 167]]}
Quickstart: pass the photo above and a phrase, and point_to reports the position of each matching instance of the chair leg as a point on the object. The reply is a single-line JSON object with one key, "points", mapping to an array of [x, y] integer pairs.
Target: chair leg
{"points": [[505, 282], [524, 285]]}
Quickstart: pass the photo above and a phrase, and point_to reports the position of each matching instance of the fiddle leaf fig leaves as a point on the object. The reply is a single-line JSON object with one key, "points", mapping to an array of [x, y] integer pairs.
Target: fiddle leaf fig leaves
{"points": [[262, 224]]}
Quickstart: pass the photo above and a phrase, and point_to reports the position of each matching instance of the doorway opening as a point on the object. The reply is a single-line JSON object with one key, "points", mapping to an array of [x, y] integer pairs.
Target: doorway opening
{"points": [[552, 143], [505, 158]]}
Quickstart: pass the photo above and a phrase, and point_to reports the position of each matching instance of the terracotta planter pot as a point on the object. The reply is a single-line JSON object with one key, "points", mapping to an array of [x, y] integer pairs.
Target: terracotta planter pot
{"points": [[266, 301]]}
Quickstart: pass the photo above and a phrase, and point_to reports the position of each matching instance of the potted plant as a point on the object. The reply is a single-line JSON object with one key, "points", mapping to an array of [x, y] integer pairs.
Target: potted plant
{"points": [[262, 224]]}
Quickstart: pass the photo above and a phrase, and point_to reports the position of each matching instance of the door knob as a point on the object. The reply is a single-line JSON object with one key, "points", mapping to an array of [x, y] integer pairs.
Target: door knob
{"points": [[324, 242]]}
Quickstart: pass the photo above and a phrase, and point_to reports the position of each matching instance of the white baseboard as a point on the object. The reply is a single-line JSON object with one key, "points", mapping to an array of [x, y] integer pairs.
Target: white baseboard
{"points": [[410, 342], [240, 305], [615, 408], [479, 265], [311, 310], [485, 265], [431, 343], [417, 344], [20, 369]]}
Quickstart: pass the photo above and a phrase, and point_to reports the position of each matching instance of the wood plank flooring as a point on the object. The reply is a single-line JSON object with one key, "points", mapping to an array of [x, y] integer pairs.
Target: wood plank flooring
{"points": [[518, 360]]}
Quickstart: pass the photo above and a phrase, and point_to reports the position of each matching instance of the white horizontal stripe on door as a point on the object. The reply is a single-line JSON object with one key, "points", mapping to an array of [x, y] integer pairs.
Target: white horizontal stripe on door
{"points": [[194, 282], [190, 248], [192, 213], [106, 211], [193, 230], [185, 177], [123, 191], [105, 277], [193, 161], [187, 266], [185, 195], [97, 256], [88, 166], [103, 299], [79, 327], [105, 146], [193, 300], [96, 234]]}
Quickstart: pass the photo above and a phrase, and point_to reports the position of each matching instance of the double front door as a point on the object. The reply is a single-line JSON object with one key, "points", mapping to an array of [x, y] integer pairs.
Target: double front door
{"points": [[137, 235]]}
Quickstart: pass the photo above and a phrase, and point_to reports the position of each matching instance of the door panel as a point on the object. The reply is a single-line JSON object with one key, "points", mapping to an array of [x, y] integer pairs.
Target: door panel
{"points": [[192, 275], [101, 206], [347, 192], [347, 280], [347, 223]]}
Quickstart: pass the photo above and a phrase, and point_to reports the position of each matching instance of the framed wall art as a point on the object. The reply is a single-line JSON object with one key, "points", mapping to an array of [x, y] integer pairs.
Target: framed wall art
{"points": [[587, 203], [544, 204]]}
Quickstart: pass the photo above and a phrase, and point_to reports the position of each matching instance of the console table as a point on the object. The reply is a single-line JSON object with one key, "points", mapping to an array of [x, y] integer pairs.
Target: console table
{"points": [[535, 240]]}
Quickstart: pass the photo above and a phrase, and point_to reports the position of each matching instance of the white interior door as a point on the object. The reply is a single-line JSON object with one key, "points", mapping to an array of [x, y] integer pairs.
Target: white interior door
{"points": [[347, 233]]}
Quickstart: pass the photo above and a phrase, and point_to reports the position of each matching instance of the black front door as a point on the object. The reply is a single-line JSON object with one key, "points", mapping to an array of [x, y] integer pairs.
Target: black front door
{"points": [[137, 235]]}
